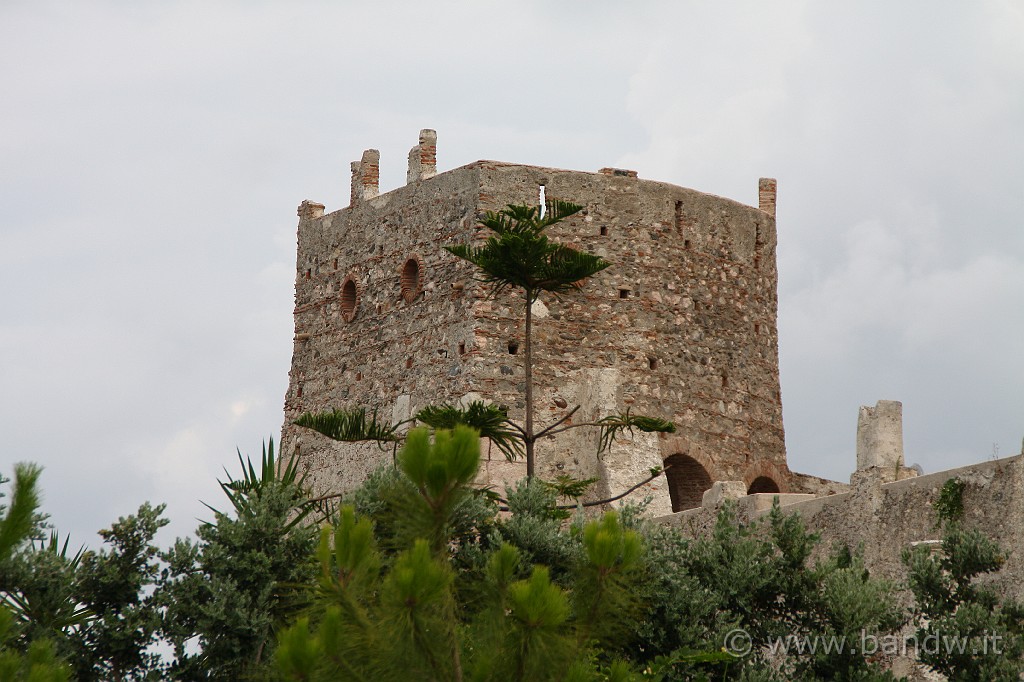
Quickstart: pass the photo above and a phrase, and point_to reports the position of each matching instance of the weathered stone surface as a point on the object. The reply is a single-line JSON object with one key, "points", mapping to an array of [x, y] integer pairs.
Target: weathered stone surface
{"points": [[880, 435], [722, 491]]}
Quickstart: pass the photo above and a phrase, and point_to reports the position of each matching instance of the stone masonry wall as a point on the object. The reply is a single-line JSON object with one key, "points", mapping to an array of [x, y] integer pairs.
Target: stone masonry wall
{"points": [[681, 326], [884, 519], [395, 355]]}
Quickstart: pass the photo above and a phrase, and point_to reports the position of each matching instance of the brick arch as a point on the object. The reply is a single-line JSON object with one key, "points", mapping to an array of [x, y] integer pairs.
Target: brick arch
{"points": [[765, 478], [687, 480]]}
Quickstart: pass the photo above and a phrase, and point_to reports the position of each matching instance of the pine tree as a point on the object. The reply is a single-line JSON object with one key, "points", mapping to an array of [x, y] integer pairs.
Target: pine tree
{"points": [[402, 616]]}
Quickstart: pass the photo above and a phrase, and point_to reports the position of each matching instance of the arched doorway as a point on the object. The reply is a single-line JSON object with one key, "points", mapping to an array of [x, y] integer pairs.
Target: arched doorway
{"points": [[763, 484], [687, 481]]}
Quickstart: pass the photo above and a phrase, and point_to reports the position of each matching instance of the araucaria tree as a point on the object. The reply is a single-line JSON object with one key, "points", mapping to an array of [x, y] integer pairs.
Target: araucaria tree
{"points": [[520, 256]]}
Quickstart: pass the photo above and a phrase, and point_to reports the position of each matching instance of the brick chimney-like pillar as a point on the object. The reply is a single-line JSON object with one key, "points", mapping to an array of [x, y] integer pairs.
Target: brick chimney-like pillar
{"points": [[366, 176], [423, 157], [766, 191]]}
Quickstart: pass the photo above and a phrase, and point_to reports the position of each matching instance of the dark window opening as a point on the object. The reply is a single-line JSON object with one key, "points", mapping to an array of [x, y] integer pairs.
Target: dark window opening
{"points": [[763, 484], [513, 348], [349, 300], [604, 231], [757, 328], [652, 363], [687, 481], [309, 273], [410, 280], [623, 293], [462, 348]]}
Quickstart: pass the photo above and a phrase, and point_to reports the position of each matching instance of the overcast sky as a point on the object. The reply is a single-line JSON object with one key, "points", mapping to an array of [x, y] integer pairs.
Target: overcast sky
{"points": [[152, 156]]}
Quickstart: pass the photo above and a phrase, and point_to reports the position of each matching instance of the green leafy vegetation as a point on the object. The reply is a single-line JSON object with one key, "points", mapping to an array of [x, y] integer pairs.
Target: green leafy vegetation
{"points": [[349, 425], [23, 656], [977, 633], [403, 617], [419, 576], [949, 507]]}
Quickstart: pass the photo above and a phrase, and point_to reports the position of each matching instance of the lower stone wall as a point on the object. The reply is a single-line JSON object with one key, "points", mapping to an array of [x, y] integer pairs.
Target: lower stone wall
{"points": [[803, 483], [884, 519]]}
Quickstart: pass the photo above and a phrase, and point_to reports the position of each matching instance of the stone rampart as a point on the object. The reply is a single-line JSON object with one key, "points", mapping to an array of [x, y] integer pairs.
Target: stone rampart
{"points": [[682, 326]]}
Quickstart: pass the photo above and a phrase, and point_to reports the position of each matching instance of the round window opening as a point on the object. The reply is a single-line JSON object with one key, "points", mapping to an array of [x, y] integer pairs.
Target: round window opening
{"points": [[411, 280], [349, 299]]}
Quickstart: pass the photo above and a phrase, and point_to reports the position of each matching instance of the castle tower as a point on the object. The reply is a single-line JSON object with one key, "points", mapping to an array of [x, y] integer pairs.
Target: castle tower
{"points": [[681, 326]]}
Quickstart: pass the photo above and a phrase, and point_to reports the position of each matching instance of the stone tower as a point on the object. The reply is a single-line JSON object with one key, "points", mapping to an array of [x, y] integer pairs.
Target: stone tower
{"points": [[681, 326]]}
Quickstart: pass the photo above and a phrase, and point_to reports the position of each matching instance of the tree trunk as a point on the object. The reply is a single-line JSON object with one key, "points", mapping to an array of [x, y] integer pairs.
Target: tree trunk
{"points": [[528, 361]]}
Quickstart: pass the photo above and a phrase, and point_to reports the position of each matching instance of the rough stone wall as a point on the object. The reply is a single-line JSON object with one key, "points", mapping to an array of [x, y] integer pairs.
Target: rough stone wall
{"points": [[682, 326], [395, 355]]}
